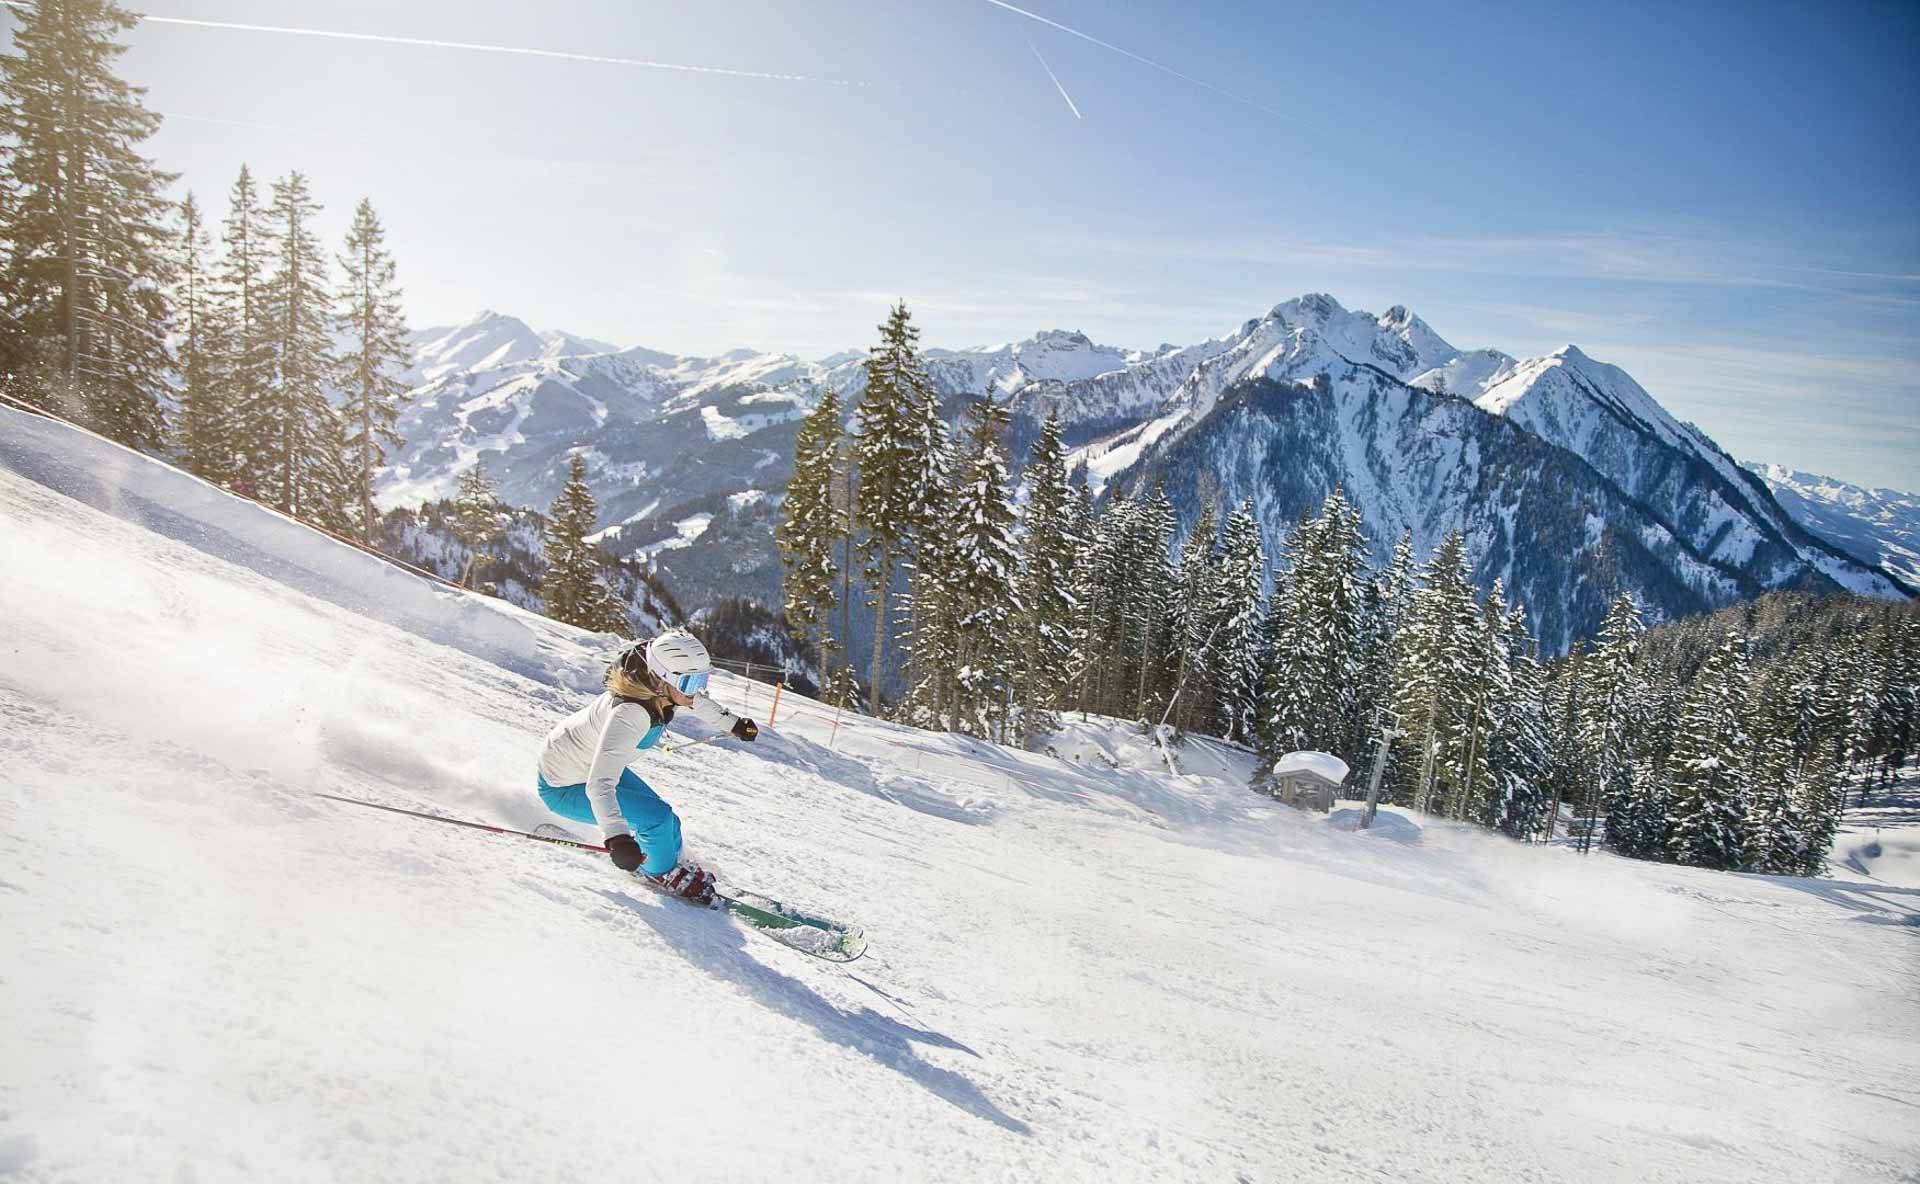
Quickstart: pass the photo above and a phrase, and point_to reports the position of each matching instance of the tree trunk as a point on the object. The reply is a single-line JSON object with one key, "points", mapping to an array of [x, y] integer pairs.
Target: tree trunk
{"points": [[885, 571]]}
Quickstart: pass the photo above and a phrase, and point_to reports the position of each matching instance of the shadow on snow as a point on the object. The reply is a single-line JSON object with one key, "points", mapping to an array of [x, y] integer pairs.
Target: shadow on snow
{"points": [[720, 952]]}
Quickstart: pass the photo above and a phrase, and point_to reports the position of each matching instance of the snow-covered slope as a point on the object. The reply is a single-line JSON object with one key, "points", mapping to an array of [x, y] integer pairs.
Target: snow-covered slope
{"points": [[1082, 968], [1881, 526]]}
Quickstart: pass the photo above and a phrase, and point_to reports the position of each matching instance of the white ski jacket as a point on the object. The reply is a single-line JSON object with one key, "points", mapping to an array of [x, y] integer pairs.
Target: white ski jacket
{"points": [[596, 743]]}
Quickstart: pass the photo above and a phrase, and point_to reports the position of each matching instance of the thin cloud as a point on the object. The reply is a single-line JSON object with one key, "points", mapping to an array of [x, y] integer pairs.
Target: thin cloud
{"points": [[478, 47], [1127, 53], [1056, 81]]}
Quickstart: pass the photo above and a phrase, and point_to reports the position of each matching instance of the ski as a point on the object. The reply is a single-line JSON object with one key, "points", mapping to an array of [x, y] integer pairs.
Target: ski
{"points": [[818, 937], [832, 941]]}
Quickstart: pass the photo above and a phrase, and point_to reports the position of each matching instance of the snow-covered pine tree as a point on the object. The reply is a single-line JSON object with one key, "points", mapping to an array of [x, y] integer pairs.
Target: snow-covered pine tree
{"points": [[986, 570], [1474, 796], [1047, 554], [934, 601], [1517, 753], [478, 519], [373, 330], [1194, 620], [891, 450], [1286, 680], [809, 529], [1612, 702], [1235, 658], [572, 589], [87, 265], [1434, 683], [1101, 576], [1708, 768], [243, 365], [1153, 586], [295, 430], [201, 431]]}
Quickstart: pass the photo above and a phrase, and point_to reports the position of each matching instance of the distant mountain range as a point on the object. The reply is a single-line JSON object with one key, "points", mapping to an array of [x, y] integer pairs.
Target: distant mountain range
{"points": [[1569, 479], [1879, 525]]}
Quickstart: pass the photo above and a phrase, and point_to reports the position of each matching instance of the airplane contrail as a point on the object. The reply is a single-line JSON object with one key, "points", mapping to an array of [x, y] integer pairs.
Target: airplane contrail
{"points": [[1145, 61], [478, 47], [1056, 81]]}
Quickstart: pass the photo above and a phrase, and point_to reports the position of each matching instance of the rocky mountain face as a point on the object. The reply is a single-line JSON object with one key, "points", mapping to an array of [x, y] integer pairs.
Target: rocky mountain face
{"points": [[1569, 478]]}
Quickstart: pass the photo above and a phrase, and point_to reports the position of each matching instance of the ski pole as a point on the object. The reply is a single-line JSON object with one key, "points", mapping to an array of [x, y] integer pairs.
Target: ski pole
{"points": [[692, 743], [497, 830]]}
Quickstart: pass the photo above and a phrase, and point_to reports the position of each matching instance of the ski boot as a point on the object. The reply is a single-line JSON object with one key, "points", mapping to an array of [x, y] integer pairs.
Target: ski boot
{"points": [[688, 883]]}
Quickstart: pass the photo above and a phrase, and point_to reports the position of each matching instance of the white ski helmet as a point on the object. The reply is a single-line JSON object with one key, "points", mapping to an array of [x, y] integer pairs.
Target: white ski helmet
{"points": [[678, 659]]}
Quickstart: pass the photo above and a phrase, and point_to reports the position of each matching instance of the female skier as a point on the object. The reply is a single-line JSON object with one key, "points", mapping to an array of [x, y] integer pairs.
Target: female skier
{"points": [[583, 764]]}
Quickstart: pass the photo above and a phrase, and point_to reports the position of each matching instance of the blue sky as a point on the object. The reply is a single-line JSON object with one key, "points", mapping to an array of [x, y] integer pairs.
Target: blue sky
{"points": [[1721, 199]]}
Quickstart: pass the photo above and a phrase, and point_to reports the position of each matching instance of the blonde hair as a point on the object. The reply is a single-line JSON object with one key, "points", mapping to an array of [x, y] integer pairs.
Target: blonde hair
{"points": [[628, 687]]}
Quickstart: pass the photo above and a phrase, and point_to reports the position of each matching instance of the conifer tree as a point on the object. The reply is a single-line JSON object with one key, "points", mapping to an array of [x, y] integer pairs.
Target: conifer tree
{"points": [[1473, 793], [477, 519], [1435, 679], [242, 368], [810, 527], [1194, 622], [934, 602], [295, 430], [1238, 652], [894, 452], [1150, 605], [1708, 766], [86, 268], [1047, 561], [1517, 758], [204, 423], [374, 332], [1612, 703], [986, 568], [572, 589]]}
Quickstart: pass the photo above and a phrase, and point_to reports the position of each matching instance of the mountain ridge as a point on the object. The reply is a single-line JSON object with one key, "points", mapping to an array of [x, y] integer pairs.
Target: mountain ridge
{"points": [[665, 435]]}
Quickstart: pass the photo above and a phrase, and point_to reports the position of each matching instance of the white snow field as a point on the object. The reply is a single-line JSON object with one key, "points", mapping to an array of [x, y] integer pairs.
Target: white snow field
{"points": [[1082, 967]]}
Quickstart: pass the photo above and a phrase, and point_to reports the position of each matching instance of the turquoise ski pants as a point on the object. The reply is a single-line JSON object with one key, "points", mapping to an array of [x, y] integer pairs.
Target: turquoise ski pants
{"points": [[655, 826]]}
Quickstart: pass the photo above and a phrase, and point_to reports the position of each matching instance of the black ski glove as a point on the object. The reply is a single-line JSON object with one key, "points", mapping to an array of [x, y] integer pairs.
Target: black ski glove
{"points": [[745, 728], [625, 853]]}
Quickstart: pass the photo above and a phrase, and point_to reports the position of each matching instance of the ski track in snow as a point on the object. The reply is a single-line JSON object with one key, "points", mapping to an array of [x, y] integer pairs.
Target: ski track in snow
{"points": [[1082, 968]]}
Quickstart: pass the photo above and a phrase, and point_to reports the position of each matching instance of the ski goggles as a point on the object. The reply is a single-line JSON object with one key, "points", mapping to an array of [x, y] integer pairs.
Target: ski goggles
{"points": [[690, 684]]}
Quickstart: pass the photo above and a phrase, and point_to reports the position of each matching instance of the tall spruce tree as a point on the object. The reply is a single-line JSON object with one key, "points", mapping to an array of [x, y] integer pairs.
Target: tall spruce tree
{"points": [[986, 569], [894, 454], [1517, 758], [1238, 649], [1047, 554], [1709, 763], [87, 267], [572, 589], [810, 528], [1150, 604], [1612, 705], [204, 423], [295, 429], [373, 331], [242, 368], [1434, 683], [1194, 622], [934, 600]]}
